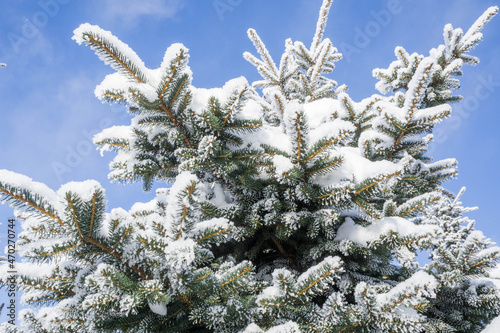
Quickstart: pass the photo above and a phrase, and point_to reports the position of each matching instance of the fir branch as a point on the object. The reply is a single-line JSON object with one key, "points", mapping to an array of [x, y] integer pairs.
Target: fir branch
{"points": [[73, 213], [371, 184], [239, 275], [104, 46], [320, 27], [117, 255], [91, 225]]}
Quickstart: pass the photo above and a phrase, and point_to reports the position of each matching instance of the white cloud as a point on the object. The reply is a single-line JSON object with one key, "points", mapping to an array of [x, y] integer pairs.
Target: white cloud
{"points": [[130, 11]]}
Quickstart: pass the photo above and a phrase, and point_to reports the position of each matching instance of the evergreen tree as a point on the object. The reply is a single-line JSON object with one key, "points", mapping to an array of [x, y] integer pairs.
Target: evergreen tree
{"points": [[295, 209]]}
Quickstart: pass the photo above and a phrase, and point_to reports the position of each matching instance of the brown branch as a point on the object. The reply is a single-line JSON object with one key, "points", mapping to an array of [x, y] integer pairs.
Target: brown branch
{"points": [[40, 209], [73, 212], [114, 56], [93, 214], [283, 252], [174, 121], [117, 256]]}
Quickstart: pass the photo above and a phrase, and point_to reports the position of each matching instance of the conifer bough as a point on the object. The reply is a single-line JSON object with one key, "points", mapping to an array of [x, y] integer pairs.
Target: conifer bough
{"points": [[292, 209]]}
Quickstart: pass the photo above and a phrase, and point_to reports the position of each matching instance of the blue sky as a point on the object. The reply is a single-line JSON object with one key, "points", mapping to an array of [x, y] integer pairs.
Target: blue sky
{"points": [[49, 112]]}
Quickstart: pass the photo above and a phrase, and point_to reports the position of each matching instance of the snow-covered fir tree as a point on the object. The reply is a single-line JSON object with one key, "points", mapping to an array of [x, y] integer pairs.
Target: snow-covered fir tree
{"points": [[292, 208]]}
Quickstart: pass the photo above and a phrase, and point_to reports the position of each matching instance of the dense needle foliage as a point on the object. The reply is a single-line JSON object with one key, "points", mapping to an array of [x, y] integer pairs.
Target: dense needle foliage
{"points": [[292, 208]]}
